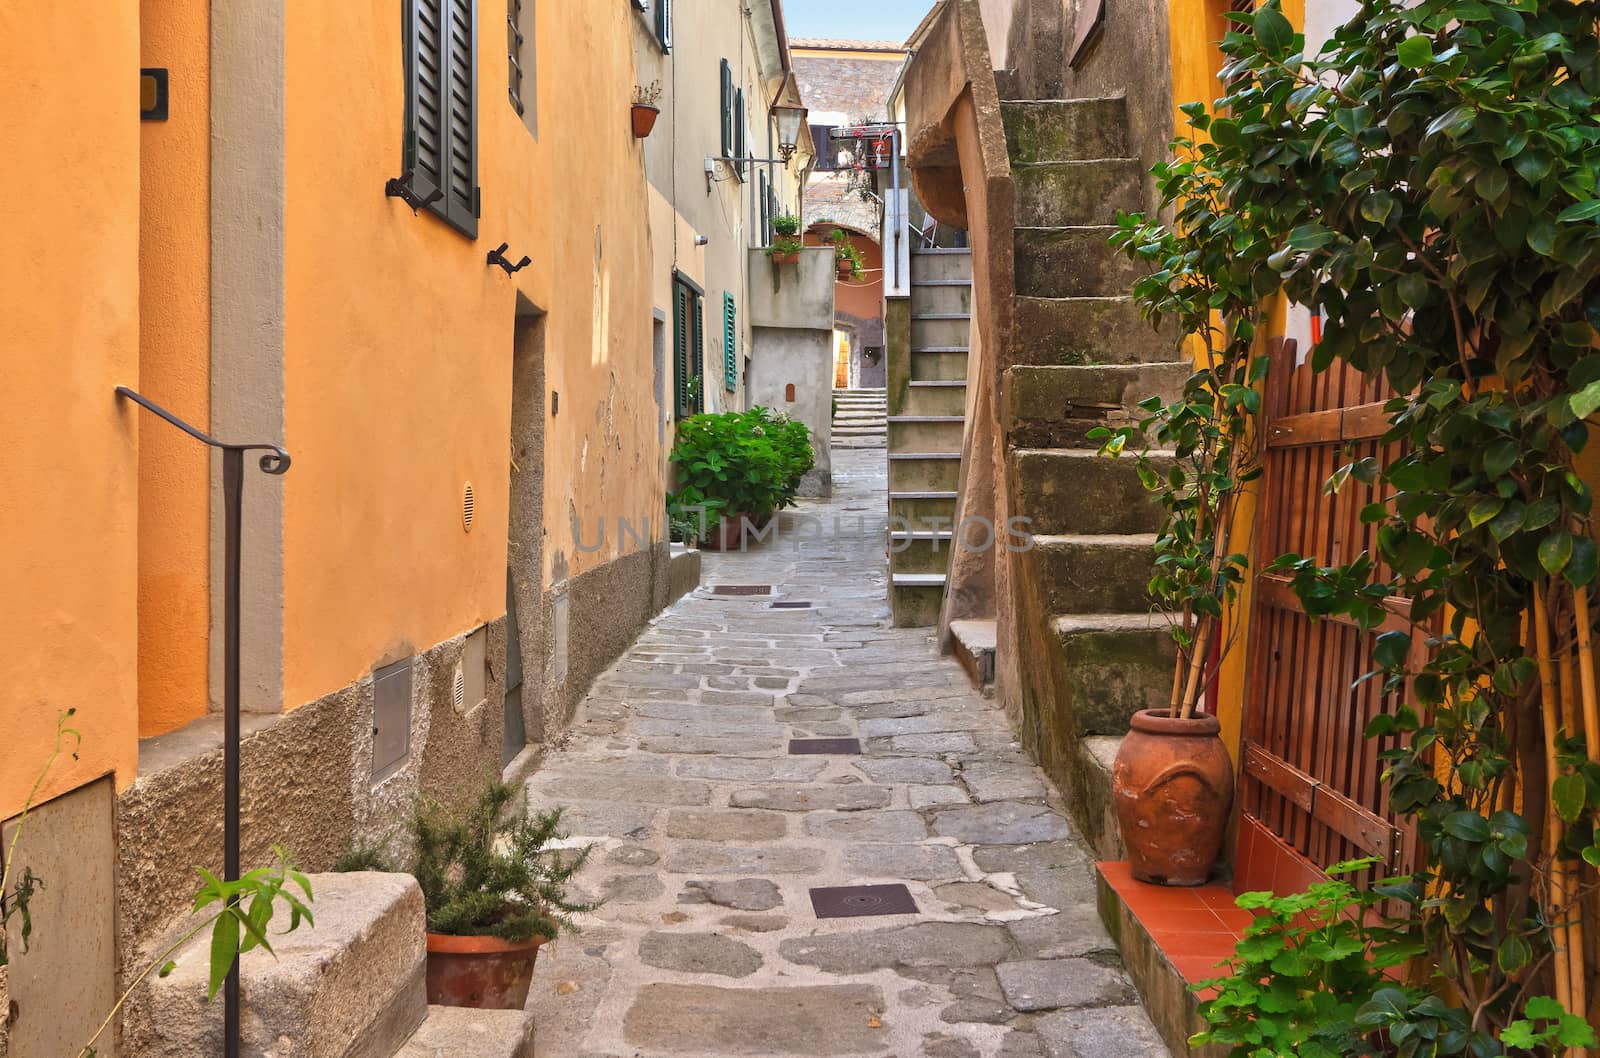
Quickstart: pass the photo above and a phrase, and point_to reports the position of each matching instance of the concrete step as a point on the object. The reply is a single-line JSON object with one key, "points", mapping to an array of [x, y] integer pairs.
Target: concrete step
{"points": [[859, 418], [926, 433], [944, 328], [1076, 491], [973, 643], [462, 1032], [924, 471], [1063, 194], [941, 397], [1050, 130], [915, 599], [351, 986], [922, 551], [942, 296], [939, 363], [1093, 574], [1083, 331], [1088, 789], [1071, 262], [927, 264], [1056, 407], [1112, 665], [912, 510]]}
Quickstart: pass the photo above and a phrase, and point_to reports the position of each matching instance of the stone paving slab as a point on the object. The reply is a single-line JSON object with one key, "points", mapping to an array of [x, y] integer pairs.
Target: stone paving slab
{"points": [[711, 837]]}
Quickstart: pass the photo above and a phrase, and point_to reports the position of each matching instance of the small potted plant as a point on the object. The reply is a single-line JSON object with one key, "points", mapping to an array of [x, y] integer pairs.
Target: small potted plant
{"points": [[846, 257], [645, 111], [494, 882], [786, 243]]}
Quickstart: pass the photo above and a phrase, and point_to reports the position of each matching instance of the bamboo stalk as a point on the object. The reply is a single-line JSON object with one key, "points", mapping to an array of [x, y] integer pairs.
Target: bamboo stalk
{"points": [[1180, 669], [1555, 911], [1591, 703], [1202, 644]]}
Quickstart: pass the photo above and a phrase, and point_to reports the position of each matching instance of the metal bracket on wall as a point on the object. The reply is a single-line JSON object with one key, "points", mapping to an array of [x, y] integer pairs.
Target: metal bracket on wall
{"points": [[400, 187], [497, 256]]}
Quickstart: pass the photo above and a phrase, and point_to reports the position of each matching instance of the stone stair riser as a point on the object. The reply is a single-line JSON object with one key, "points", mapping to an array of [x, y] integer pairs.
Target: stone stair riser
{"points": [[1081, 492], [1061, 130], [921, 513], [1088, 331], [940, 266], [916, 607], [919, 555], [941, 298], [1071, 263], [940, 332], [1077, 193], [1056, 407], [938, 367], [1111, 673], [943, 435], [936, 400], [1089, 575], [924, 475]]}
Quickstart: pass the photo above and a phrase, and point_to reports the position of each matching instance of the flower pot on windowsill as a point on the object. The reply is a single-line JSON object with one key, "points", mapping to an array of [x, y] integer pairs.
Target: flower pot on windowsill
{"points": [[483, 972], [644, 119], [1172, 785]]}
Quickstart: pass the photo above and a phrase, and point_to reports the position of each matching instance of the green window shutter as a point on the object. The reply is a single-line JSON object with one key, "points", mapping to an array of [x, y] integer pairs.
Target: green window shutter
{"points": [[727, 109], [514, 45], [441, 115], [697, 344], [766, 212], [738, 129], [730, 343], [680, 350], [664, 23]]}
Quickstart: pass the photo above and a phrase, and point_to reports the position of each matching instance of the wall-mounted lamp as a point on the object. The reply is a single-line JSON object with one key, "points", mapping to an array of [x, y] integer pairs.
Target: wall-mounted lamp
{"points": [[791, 119]]}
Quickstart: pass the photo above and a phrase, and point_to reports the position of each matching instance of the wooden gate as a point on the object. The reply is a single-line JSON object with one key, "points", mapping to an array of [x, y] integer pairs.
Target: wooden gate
{"points": [[1311, 792]]}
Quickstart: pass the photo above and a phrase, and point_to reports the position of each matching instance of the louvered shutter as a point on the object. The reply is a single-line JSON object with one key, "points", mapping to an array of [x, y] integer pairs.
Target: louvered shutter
{"points": [[738, 129], [680, 349], [730, 343], [762, 204], [727, 110], [514, 42], [664, 23], [441, 120], [697, 345]]}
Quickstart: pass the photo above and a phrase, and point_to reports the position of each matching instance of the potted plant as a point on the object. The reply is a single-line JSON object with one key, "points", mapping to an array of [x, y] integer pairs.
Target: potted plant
{"points": [[735, 469], [645, 110], [846, 257], [495, 887], [786, 243]]}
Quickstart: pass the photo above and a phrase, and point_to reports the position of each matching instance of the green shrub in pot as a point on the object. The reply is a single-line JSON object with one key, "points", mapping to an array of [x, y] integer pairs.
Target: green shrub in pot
{"points": [[730, 463]]}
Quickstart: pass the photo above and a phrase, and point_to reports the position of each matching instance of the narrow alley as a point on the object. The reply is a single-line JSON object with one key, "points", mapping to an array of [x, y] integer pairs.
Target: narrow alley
{"points": [[715, 834]]}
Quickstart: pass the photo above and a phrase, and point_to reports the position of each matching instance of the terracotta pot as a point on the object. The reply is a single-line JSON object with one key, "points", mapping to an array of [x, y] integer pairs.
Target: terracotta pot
{"points": [[644, 119], [1172, 784], [786, 258], [727, 534], [483, 972], [846, 269]]}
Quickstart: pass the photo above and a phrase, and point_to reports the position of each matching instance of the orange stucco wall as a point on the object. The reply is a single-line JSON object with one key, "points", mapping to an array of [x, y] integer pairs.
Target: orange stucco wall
{"points": [[69, 328], [174, 368], [398, 335]]}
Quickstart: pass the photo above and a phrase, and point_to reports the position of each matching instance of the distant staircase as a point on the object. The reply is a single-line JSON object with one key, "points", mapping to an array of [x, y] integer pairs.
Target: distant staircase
{"points": [[925, 433], [859, 418]]}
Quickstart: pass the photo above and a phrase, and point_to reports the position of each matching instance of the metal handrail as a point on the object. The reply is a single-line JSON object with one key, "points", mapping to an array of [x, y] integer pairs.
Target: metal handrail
{"points": [[275, 461]]}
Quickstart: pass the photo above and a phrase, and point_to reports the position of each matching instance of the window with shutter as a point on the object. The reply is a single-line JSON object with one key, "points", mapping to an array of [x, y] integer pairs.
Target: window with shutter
{"points": [[738, 131], [727, 109], [697, 345], [522, 55], [664, 24], [441, 118], [764, 204], [730, 343], [688, 332]]}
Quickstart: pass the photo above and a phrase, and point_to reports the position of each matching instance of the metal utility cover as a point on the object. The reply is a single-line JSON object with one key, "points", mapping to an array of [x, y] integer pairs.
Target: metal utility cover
{"points": [[798, 746], [791, 604], [741, 589], [391, 718], [855, 901]]}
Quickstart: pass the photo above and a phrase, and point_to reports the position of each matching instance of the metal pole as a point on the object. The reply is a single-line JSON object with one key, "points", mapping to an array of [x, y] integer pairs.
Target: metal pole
{"points": [[232, 496]]}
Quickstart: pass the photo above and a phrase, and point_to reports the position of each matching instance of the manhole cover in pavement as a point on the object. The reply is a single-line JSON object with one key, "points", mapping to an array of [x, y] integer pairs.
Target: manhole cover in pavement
{"points": [[851, 901], [791, 604], [799, 746], [741, 589]]}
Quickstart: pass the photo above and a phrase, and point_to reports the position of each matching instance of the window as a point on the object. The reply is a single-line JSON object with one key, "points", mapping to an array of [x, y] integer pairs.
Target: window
{"points": [[730, 343], [663, 24], [764, 203], [727, 109], [822, 145], [738, 131], [688, 339], [441, 119], [520, 52]]}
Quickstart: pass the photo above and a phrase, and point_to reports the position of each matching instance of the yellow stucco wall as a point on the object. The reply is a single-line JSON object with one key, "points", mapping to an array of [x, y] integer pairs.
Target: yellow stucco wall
{"points": [[69, 328], [398, 335], [174, 368]]}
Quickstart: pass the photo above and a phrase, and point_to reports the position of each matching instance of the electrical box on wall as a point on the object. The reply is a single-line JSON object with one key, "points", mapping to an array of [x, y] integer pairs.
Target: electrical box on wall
{"points": [[474, 667], [391, 718], [558, 637]]}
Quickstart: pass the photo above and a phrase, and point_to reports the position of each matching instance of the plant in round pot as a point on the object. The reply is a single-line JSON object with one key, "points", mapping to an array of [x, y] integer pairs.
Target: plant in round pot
{"points": [[494, 880], [733, 470], [786, 242], [847, 258], [1173, 778], [645, 111]]}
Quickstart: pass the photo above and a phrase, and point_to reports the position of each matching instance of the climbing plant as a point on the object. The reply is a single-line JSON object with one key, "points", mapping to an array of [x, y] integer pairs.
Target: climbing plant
{"points": [[1431, 179]]}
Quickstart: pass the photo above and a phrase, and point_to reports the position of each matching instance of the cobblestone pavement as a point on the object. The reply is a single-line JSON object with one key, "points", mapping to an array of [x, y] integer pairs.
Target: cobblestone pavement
{"points": [[711, 835]]}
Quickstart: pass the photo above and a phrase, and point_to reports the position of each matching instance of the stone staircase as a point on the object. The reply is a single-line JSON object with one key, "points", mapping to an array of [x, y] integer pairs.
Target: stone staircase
{"points": [[351, 987], [927, 414], [1085, 358], [859, 418]]}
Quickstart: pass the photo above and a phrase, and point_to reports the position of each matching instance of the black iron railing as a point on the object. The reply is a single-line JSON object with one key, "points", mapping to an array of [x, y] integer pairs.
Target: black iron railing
{"points": [[274, 461]]}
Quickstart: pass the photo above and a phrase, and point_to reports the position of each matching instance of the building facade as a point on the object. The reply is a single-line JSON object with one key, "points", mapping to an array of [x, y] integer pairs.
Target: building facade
{"points": [[410, 245]]}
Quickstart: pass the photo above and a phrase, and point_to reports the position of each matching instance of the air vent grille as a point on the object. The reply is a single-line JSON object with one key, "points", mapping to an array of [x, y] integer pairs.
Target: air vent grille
{"points": [[468, 505]]}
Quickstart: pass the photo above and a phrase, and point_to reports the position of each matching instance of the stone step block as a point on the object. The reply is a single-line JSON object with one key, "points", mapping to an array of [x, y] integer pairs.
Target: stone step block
{"points": [[1088, 331], [1094, 574], [1056, 407], [1063, 194], [1071, 262], [946, 296], [1050, 130], [925, 433], [973, 644], [913, 510], [946, 397], [940, 329], [947, 363], [915, 599], [923, 471], [941, 265], [1112, 665], [1080, 492], [461, 1032], [352, 986], [920, 551]]}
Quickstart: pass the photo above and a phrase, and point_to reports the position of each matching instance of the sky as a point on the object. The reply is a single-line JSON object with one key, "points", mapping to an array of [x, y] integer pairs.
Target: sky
{"points": [[854, 19]]}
